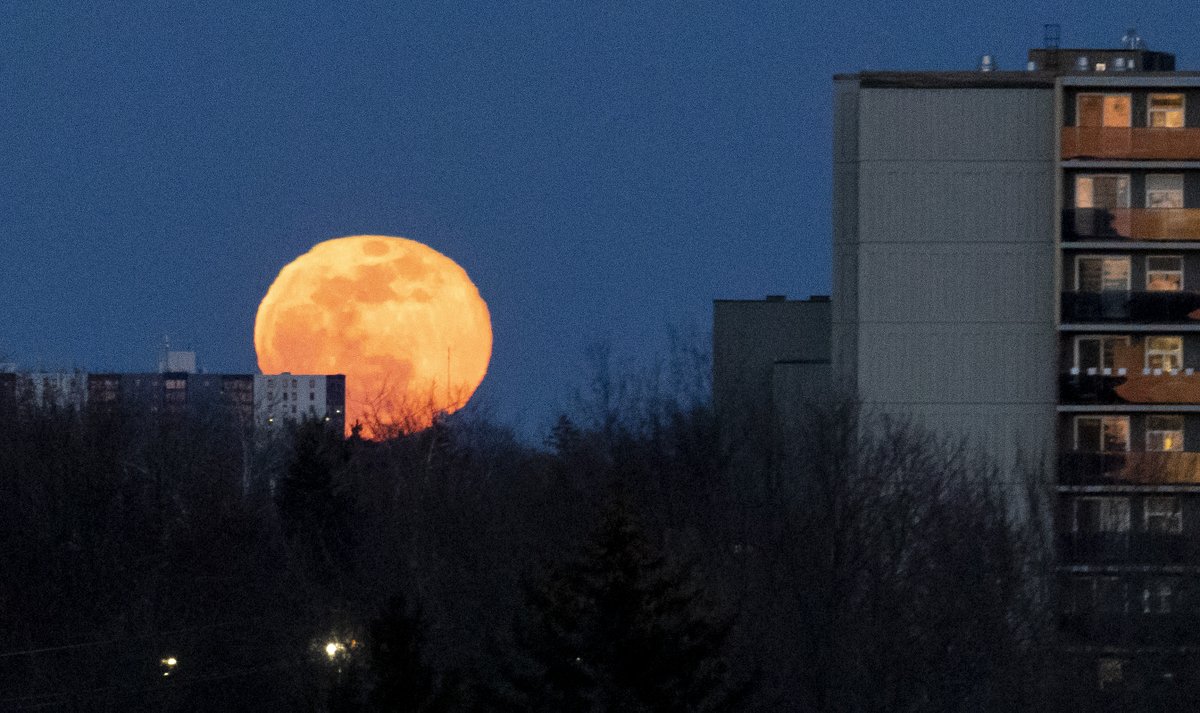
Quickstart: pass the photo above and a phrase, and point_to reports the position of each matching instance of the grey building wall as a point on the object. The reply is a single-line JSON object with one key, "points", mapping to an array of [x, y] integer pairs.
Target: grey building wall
{"points": [[768, 357], [944, 274]]}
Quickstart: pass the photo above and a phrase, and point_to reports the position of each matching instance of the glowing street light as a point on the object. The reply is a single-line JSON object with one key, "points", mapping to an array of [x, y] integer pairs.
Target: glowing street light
{"points": [[169, 664], [333, 648]]}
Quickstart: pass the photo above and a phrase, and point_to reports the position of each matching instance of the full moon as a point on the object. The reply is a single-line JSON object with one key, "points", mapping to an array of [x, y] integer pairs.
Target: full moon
{"points": [[403, 322]]}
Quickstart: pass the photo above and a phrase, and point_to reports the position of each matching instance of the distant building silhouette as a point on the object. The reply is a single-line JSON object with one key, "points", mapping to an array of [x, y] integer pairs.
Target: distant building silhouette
{"points": [[260, 402]]}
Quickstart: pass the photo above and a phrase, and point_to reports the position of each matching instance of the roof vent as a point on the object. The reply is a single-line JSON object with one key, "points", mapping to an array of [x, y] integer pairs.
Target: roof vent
{"points": [[987, 64], [1081, 64], [1031, 66]]}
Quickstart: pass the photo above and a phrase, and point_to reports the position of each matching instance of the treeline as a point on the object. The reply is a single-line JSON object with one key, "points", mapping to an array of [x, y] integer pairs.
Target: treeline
{"points": [[640, 559]]}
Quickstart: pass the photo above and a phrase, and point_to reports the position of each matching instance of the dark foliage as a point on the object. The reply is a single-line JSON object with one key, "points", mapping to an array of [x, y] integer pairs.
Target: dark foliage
{"points": [[619, 629], [403, 679], [871, 567]]}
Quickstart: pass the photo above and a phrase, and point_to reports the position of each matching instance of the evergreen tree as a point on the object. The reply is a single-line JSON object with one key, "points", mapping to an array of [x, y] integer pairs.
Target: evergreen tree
{"points": [[619, 629], [313, 510], [404, 681]]}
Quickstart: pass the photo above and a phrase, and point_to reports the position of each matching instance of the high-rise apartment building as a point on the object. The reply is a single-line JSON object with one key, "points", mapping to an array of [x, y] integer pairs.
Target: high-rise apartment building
{"points": [[282, 397], [249, 401], [1017, 261]]}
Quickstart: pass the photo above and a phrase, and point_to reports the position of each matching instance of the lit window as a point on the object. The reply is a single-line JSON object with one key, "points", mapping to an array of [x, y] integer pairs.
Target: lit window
{"points": [[1164, 190], [1101, 434], [1164, 273], [1165, 111], [1164, 433], [1109, 110], [1109, 190], [1162, 515], [1164, 353]]}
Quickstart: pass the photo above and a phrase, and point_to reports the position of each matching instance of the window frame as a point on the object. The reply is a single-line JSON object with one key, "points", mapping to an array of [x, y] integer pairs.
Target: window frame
{"points": [[1172, 515], [1160, 589], [1075, 428], [1104, 95], [1146, 189], [1150, 109], [1095, 256], [1147, 352], [1128, 190], [1179, 272], [1123, 338], [1181, 431], [1124, 517]]}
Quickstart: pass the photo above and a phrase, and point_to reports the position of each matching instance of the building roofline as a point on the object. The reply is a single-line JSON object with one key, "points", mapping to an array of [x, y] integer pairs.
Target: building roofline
{"points": [[814, 299], [951, 80], [1039, 79]]}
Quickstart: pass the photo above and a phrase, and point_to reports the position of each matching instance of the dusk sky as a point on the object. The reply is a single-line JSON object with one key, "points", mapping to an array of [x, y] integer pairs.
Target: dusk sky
{"points": [[602, 170]]}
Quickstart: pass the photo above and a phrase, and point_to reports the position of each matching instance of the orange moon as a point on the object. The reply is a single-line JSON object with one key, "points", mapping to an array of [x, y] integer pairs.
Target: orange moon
{"points": [[403, 322]]}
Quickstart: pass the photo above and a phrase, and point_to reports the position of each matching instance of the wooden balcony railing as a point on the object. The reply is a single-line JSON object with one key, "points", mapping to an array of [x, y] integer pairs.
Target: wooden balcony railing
{"points": [[1131, 386], [1131, 143], [1129, 467], [1131, 224]]}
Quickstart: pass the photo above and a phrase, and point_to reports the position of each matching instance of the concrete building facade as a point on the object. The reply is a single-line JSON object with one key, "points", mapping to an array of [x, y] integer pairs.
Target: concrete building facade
{"points": [[769, 356], [282, 397], [1017, 262], [944, 235], [251, 401]]}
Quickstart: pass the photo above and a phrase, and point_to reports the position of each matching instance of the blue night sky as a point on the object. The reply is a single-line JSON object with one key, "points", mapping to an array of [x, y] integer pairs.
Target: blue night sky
{"points": [[601, 169]]}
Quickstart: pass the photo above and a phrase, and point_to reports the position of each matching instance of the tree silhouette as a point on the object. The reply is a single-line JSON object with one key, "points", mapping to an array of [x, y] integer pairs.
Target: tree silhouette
{"points": [[619, 629], [404, 680], [313, 510]]}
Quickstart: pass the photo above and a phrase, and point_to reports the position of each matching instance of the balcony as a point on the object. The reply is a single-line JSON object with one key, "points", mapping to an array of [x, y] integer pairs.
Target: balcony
{"points": [[1131, 224], [1131, 144], [1129, 468], [1162, 307], [1131, 627], [1127, 548], [1145, 386]]}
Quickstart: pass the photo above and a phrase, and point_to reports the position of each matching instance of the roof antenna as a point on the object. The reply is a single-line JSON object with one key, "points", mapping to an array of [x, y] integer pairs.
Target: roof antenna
{"points": [[164, 354], [1132, 41], [1051, 35]]}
